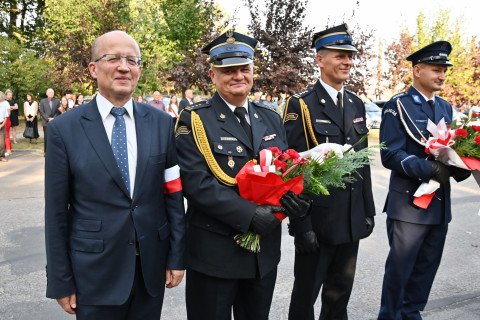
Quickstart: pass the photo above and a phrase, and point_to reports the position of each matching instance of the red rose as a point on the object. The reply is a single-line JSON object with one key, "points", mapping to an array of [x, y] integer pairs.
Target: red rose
{"points": [[461, 132], [477, 140], [280, 164], [292, 153], [275, 150], [476, 128]]}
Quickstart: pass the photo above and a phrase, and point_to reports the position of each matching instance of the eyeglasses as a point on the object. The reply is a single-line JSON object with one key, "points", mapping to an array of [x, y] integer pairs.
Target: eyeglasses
{"points": [[116, 59]]}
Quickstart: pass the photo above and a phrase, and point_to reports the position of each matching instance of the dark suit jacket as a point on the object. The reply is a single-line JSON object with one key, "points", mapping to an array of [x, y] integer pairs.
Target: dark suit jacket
{"points": [[407, 158], [183, 103], [91, 222], [46, 112], [339, 217], [216, 212]]}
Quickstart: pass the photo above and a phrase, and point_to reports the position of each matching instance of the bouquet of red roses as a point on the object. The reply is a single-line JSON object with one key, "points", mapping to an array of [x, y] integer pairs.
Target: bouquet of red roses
{"points": [[459, 147], [315, 171]]}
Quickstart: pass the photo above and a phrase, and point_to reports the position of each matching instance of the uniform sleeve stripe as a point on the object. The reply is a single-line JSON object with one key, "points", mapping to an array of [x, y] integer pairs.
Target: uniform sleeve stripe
{"points": [[172, 173], [403, 161], [172, 186]]}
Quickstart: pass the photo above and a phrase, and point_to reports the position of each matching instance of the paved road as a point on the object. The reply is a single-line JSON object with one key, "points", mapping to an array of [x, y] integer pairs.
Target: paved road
{"points": [[455, 294]]}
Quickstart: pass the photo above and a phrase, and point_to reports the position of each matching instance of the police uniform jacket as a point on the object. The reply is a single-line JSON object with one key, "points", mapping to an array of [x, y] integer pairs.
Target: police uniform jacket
{"points": [[340, 217], [216, 212], [408, 160]]}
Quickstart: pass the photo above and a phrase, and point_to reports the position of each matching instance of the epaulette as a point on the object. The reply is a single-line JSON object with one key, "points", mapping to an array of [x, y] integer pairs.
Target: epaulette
{"points": [[263, 106], [353, 94], [198, 105], [399, 95], [303, 93]]}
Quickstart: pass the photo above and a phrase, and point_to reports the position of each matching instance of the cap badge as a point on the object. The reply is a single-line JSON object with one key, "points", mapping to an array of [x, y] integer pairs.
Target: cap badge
{"points": [[230, 38]]}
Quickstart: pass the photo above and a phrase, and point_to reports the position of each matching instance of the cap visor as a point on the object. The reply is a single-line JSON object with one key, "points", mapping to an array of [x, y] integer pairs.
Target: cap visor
{"points": [[441, 62], [346, 47], [229, 62]]}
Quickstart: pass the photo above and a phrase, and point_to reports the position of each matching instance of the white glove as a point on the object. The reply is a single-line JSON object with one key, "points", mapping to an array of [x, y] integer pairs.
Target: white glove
{"points": [[325, 148]]}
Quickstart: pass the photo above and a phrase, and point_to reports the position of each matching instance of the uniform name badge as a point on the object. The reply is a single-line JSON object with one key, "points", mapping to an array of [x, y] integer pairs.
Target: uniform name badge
{"points": [[230, 162]]}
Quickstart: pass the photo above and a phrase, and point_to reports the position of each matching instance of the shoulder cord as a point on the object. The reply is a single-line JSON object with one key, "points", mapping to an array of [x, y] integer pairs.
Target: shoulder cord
{"points": [[400, 107], [203, 146], [307, 120]]}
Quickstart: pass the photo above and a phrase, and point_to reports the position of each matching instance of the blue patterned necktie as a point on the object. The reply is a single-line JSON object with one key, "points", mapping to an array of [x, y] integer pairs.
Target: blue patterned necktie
{"points": [[119, 144]]}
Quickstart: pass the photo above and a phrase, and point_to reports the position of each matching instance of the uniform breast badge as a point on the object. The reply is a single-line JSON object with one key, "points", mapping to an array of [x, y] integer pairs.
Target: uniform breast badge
{"points": [[269, 137]]}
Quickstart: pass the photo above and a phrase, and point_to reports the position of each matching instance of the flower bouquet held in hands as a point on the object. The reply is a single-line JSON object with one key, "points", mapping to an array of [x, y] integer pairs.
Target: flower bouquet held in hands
{"points": [[326, 166], [456, 147]]}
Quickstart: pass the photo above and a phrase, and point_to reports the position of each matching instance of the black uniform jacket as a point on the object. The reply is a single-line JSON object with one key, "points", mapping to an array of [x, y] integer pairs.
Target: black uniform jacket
{"points": [[339, 217], [216, 212]]}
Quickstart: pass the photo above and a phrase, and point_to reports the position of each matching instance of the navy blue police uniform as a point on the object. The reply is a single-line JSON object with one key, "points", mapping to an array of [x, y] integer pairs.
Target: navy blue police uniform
{"points": [[212, 148], [311, 117], [416, 236]]}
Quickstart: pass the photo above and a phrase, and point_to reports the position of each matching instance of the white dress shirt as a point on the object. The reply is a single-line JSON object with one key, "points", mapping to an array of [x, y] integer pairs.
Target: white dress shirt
{"points": [[332, 92], [104, 107], [232, 107]]}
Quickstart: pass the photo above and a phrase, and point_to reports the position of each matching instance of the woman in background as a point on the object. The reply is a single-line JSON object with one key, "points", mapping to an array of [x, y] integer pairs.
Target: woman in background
{"points": [[79, 100], [172, 108], [63, 105], [30, 109], [139, 98]]}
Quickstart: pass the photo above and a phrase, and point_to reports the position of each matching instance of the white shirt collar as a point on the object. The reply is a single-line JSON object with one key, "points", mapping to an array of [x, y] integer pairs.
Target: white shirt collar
{"points": [[332, 92], [424, 96], [232, 107], [105, 106]]}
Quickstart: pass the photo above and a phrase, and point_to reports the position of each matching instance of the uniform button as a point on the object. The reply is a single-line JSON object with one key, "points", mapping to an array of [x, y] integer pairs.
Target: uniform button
{"points": [[353, 189], [238, 226], [348, 138], [408, 191], [131, 242], [326, 131], [207, 225], [220, 147]]}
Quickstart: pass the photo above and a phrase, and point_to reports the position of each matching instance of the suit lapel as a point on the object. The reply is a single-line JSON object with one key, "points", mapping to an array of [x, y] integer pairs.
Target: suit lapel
{"points": [[258, 127], [349, 111], [95, 131], [143, 122], [330, 108], [230, 121]]}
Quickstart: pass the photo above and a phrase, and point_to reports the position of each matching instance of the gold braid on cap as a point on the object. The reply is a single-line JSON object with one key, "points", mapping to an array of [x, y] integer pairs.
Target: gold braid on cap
{"points": [[306, 119], [204, 147]]}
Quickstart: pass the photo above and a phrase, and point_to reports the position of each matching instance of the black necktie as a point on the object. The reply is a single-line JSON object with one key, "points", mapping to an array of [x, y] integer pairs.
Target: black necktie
{"points": [[240, 112], [340, 103], [432, 105]]}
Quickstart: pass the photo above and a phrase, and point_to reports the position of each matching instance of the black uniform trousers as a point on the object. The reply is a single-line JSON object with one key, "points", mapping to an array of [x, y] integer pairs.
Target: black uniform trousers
{"points": [[139, 306], [211, 298], [412, 263], [333, 262]]}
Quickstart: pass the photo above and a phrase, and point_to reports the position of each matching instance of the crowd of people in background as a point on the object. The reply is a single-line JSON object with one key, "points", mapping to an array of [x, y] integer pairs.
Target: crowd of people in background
{"points": [[50, 107]]}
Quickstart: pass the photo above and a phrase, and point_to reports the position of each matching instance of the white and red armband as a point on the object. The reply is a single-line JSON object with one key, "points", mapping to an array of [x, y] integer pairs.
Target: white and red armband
{"points": [[172, 180]]}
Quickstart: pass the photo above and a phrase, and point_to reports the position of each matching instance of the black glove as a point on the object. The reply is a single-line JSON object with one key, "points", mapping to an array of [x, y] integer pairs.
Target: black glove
{"points": [[306, 242], [296, 207], [370, 221], [264, 221], [440, 172], [459, 174]]}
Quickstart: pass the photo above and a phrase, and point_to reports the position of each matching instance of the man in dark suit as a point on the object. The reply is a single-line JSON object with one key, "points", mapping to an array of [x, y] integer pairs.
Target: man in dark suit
{"points": [[114, 215], [416, 236], [215, 139], [48, 110], [326, 242], [187, 101]]}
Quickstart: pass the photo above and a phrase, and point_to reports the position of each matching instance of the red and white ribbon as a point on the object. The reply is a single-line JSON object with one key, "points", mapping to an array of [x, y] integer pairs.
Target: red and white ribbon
{"points": [[172, 180]]}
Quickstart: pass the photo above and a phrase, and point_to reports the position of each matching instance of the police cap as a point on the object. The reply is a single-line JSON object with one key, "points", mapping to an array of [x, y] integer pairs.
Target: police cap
{"points": [[434, 53], [231, 49], [337, 38]]}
